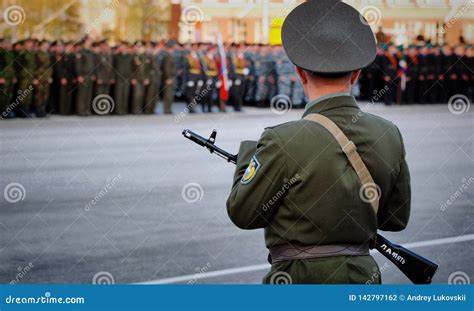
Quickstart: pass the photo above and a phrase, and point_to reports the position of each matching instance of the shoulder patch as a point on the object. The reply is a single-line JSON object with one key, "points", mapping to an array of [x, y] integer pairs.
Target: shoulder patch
{"points": [[251, 171]]}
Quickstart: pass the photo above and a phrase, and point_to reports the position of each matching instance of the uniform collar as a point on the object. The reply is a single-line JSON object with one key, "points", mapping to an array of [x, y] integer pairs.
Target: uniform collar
{"points": [[330, 101]]}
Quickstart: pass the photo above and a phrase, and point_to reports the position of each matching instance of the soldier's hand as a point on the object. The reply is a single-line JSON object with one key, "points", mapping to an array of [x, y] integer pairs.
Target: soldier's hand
{"points": [[169, 81], [134, 81], [80, 79], [112, 81], [146, 81], [2, 81], [50, 80], [35, 81], [99, 81], [63, 81]]}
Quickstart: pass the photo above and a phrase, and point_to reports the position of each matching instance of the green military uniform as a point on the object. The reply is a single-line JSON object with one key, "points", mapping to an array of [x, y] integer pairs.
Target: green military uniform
{"points": [[300, 181], [65, 76], [43, 74], [169, 73], [153, 74], [123, 70], [84, 66], [322, 205], [137, 79], [7, 76], [104, 74], [27, 64]]}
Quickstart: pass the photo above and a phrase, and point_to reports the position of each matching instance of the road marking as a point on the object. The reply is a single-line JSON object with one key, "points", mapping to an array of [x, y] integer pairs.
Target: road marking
{"points": [[206, 275]]}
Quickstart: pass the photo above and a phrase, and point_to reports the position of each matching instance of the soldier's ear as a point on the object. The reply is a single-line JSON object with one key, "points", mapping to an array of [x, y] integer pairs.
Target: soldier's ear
{"points": [[355, 76], [302, 74]]}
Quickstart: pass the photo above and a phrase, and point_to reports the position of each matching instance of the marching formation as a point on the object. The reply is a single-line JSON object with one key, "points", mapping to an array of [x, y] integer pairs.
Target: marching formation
{"points": [[38, 78]]}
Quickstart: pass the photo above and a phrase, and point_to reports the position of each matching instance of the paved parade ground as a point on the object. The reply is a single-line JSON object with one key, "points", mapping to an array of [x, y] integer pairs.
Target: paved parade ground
{"points": [[127, 199]]}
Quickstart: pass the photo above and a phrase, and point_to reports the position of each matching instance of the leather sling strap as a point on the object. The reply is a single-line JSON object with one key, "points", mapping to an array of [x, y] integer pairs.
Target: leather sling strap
{"points": [[350, 149]]}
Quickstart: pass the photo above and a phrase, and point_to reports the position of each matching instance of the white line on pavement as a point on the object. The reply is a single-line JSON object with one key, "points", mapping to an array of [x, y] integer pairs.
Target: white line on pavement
{"points": [[217, 273]]}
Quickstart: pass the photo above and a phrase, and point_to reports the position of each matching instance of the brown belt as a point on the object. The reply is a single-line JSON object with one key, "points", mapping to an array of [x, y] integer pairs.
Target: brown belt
{"points": [[294, 252]]}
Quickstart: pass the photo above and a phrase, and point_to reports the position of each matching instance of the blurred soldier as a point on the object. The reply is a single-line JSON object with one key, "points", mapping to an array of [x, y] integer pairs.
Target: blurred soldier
{"points": [[212, 82], [105, 76], [123, 71], [390, 72], [423, 72], [179, 55], [84, 67], [238, 75], [168, 68], [43, 79], [153, 75], [298, 97], [435, 74], [194, 77], [411, 74], [461, 71], [449, 75], [26, 65], [138, 78], [284, 70], [7, 78], [250, 85], [65, 58], [264, 70], [470, 55]]}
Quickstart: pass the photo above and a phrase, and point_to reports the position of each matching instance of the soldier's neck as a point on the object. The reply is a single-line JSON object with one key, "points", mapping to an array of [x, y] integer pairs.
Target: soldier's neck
{"points": [[314, 93]]}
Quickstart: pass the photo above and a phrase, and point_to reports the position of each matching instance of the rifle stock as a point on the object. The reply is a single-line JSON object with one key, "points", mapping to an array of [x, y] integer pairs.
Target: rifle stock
{"points": [[417, 268]]}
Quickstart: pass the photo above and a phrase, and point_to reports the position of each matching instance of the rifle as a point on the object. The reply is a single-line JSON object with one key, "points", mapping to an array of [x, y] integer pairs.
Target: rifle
{"points": [[417, 268]]}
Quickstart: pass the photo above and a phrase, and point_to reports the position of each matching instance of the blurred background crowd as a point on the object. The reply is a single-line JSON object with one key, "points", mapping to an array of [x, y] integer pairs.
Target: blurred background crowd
{"points": [[119, 57]]}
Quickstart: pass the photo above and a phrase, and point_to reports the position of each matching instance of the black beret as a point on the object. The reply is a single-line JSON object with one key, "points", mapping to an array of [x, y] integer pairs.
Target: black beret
{"points": [[328, 36]]}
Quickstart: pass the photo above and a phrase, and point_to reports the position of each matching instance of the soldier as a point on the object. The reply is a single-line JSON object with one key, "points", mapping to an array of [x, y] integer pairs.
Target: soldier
{"points": [[43, 79], [423, 73], [250, 85], [449, 76], [105, 76], [85, 76], [194, 77], [470, 55], [298, 181], [411, 74], [435, 73], [264, 69], [65, 75], [461, 71], [25, 70], [138, 78], [390, 63], [153, 75], [7, 79], [212, 83], [123, 71], [238, 76], [168, 68], [284, 70]]}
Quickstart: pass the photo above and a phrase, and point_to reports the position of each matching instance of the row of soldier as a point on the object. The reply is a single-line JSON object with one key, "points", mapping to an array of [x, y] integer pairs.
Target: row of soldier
{"points": [[66, 78], [421, 74]]}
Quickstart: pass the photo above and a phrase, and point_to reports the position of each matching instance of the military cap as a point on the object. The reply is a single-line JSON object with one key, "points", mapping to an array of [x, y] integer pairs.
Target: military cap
{"points": [[328, 36]]}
